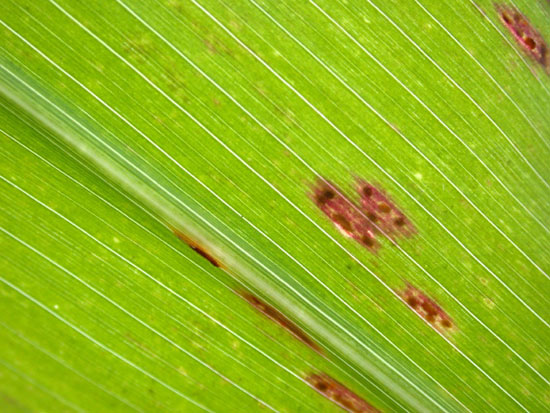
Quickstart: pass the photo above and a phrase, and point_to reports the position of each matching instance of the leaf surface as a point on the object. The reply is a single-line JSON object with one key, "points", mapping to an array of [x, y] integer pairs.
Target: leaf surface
{"points": [[122, 123]]}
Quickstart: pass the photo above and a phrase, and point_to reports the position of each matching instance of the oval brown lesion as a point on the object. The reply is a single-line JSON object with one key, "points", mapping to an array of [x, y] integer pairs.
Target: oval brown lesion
{"points": [[527, 37], [384, 208], [427, 308]]}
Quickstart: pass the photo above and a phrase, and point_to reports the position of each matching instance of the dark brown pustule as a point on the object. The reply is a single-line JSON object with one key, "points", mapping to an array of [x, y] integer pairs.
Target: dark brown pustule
{"points": [[325, 196]]}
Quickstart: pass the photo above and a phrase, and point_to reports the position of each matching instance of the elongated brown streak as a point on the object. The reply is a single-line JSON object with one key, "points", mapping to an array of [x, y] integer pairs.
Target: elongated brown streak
{"points": [[197, 248], [339, 394], [275, 315]]}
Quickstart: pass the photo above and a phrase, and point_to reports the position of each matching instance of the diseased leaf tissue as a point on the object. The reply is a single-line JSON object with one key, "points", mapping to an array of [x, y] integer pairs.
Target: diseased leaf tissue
{"points": [[530, 39], [375, 215], [275, 315], [426, 308], [340, 394]]}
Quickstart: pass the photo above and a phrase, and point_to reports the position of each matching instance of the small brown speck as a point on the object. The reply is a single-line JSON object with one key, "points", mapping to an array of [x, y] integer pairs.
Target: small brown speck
{"points": [[399, 221], [384, 208], [367, 191]]}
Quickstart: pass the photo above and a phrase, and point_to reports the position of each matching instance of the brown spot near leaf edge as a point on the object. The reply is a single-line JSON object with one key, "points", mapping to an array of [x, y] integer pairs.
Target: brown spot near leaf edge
{"points": [[275, 315], [383, 212], [427, 308], [529, 39], [339, 394], [198, 249], [348, 217]]}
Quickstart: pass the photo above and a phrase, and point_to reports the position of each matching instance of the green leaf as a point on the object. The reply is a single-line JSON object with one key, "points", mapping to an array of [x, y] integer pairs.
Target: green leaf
{"points": [[124, 124]]}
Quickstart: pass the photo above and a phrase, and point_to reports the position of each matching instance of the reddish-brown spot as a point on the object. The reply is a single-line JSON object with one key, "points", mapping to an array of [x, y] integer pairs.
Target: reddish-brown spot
{"points": [[426, 308], [372, 216], [339, 394], [368, 241], [530, 40], [384, 208], [275, 315], [198, 249], [382, 212], [325, 195], [412, 301], [343, 223], [345, 214], [400, 221]]}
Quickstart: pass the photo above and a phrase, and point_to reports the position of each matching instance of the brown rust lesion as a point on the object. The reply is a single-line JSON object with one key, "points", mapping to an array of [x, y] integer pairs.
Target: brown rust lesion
{"points": [[339, 394], [348, 217], [530, 39], [427, 308], [275, 315], [382, 211], [376, 214], [198, 248]]}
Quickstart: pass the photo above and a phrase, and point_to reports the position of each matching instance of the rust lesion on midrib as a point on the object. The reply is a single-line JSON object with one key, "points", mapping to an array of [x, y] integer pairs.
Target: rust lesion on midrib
{"points": [[198, 248], [275, 315]]}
